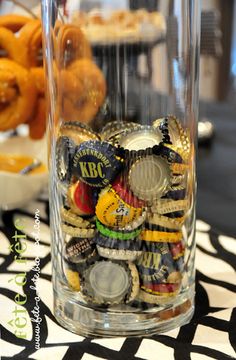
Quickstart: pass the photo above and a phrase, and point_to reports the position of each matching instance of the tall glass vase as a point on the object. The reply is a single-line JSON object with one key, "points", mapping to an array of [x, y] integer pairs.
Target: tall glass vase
{"points": [[122, 81]]}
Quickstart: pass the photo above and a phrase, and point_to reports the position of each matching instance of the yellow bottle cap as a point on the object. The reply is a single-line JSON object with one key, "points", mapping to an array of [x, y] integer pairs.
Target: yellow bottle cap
{"points": [[161, 236], [112, 211]]}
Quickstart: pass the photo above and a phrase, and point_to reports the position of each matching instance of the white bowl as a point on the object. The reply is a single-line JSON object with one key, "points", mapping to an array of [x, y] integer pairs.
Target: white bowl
{"points": [[16, 189]]}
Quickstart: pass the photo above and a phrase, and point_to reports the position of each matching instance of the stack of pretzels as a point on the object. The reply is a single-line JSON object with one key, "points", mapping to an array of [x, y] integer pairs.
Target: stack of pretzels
{"points": [[81, 84], [21, 75], [81, 87]]}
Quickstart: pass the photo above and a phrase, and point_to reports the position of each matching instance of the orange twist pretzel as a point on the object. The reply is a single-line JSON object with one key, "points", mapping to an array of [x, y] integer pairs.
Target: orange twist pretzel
{"points": [[39, 79], [7, 90], [13, 46], [31, 37], [37, 125], [71, 44], [13, 22], [19, 82], [83, 90]]}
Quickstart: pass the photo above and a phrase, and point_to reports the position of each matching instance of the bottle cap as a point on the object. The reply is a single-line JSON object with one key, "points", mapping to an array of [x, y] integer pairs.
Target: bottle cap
{"points": [[180, 264], [167, 206], [177, 250], [161, 289], [154, 247], [174, 277], [110, 243], [107, 282], [113, 130], [156, 262], [72, 219], [161, 220], [154, 227], [161, 275], [78, 132], [125, 193], [161, 236], [95, 163], [119, 235], [141, 139], [115, 254], [73, 279], [150, 178], [172, 154], [176, 133], [65, 149], [179, 194], [80, 199], [77, 231], [112, 211], [78, 250], [149, 298]]}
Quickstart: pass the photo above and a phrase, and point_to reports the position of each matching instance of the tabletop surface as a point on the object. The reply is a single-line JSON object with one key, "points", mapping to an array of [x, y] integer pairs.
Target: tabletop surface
{"points": [[212, 332]]}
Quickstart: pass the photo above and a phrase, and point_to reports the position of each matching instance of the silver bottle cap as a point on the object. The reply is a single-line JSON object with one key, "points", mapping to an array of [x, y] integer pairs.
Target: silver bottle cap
{"points": [[108, 281], [141, 139], [150, 178]]}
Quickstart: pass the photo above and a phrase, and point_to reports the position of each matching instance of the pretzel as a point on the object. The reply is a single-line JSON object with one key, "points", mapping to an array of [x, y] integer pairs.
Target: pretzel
{"points": [[13, 22], [7, 90], [31, 37], [71, 41], [37, 125], [39, 79], [6, 94], [19, 107], [13, 46], [83, 91]]}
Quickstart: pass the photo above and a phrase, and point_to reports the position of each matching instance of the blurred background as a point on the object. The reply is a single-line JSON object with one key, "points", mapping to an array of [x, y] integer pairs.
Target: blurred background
{"points": [[218, 51]]}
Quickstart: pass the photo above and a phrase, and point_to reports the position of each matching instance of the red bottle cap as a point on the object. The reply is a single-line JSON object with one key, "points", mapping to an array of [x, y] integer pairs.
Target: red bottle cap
{"points": [[161, 288], [81, 198], [126, 194]]}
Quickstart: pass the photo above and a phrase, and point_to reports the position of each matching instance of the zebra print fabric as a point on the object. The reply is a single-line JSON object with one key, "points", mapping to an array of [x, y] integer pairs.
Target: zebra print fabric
{"points": [[210, 335]]}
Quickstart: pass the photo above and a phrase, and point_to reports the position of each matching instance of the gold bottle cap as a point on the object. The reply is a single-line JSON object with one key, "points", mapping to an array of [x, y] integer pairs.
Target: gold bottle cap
{"points": [[73, 279], [115, 254], [165, 206], [178, 135], [73, 219], [164, 221], [113, 130], [78, 132]]}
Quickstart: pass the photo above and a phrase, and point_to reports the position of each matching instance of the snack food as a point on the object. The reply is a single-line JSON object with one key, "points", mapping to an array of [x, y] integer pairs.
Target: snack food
{"points": [[31, 38], [13, 22], [83, 90], [22, 88], [72, 40], [37, 125], [13, 46], [121, 25], [81, 83], [21, 107]]}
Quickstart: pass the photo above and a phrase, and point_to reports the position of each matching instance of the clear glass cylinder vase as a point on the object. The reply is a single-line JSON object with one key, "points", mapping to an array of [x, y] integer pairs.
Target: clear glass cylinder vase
{"points": [[122, 81]]}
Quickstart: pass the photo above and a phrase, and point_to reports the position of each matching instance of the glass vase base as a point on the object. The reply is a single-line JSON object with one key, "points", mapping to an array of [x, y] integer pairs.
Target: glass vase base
{"points": [[91, 322]]}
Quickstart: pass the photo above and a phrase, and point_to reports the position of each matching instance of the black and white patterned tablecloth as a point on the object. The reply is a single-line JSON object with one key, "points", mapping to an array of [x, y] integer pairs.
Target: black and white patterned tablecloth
{"points": [[210, 335]]}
